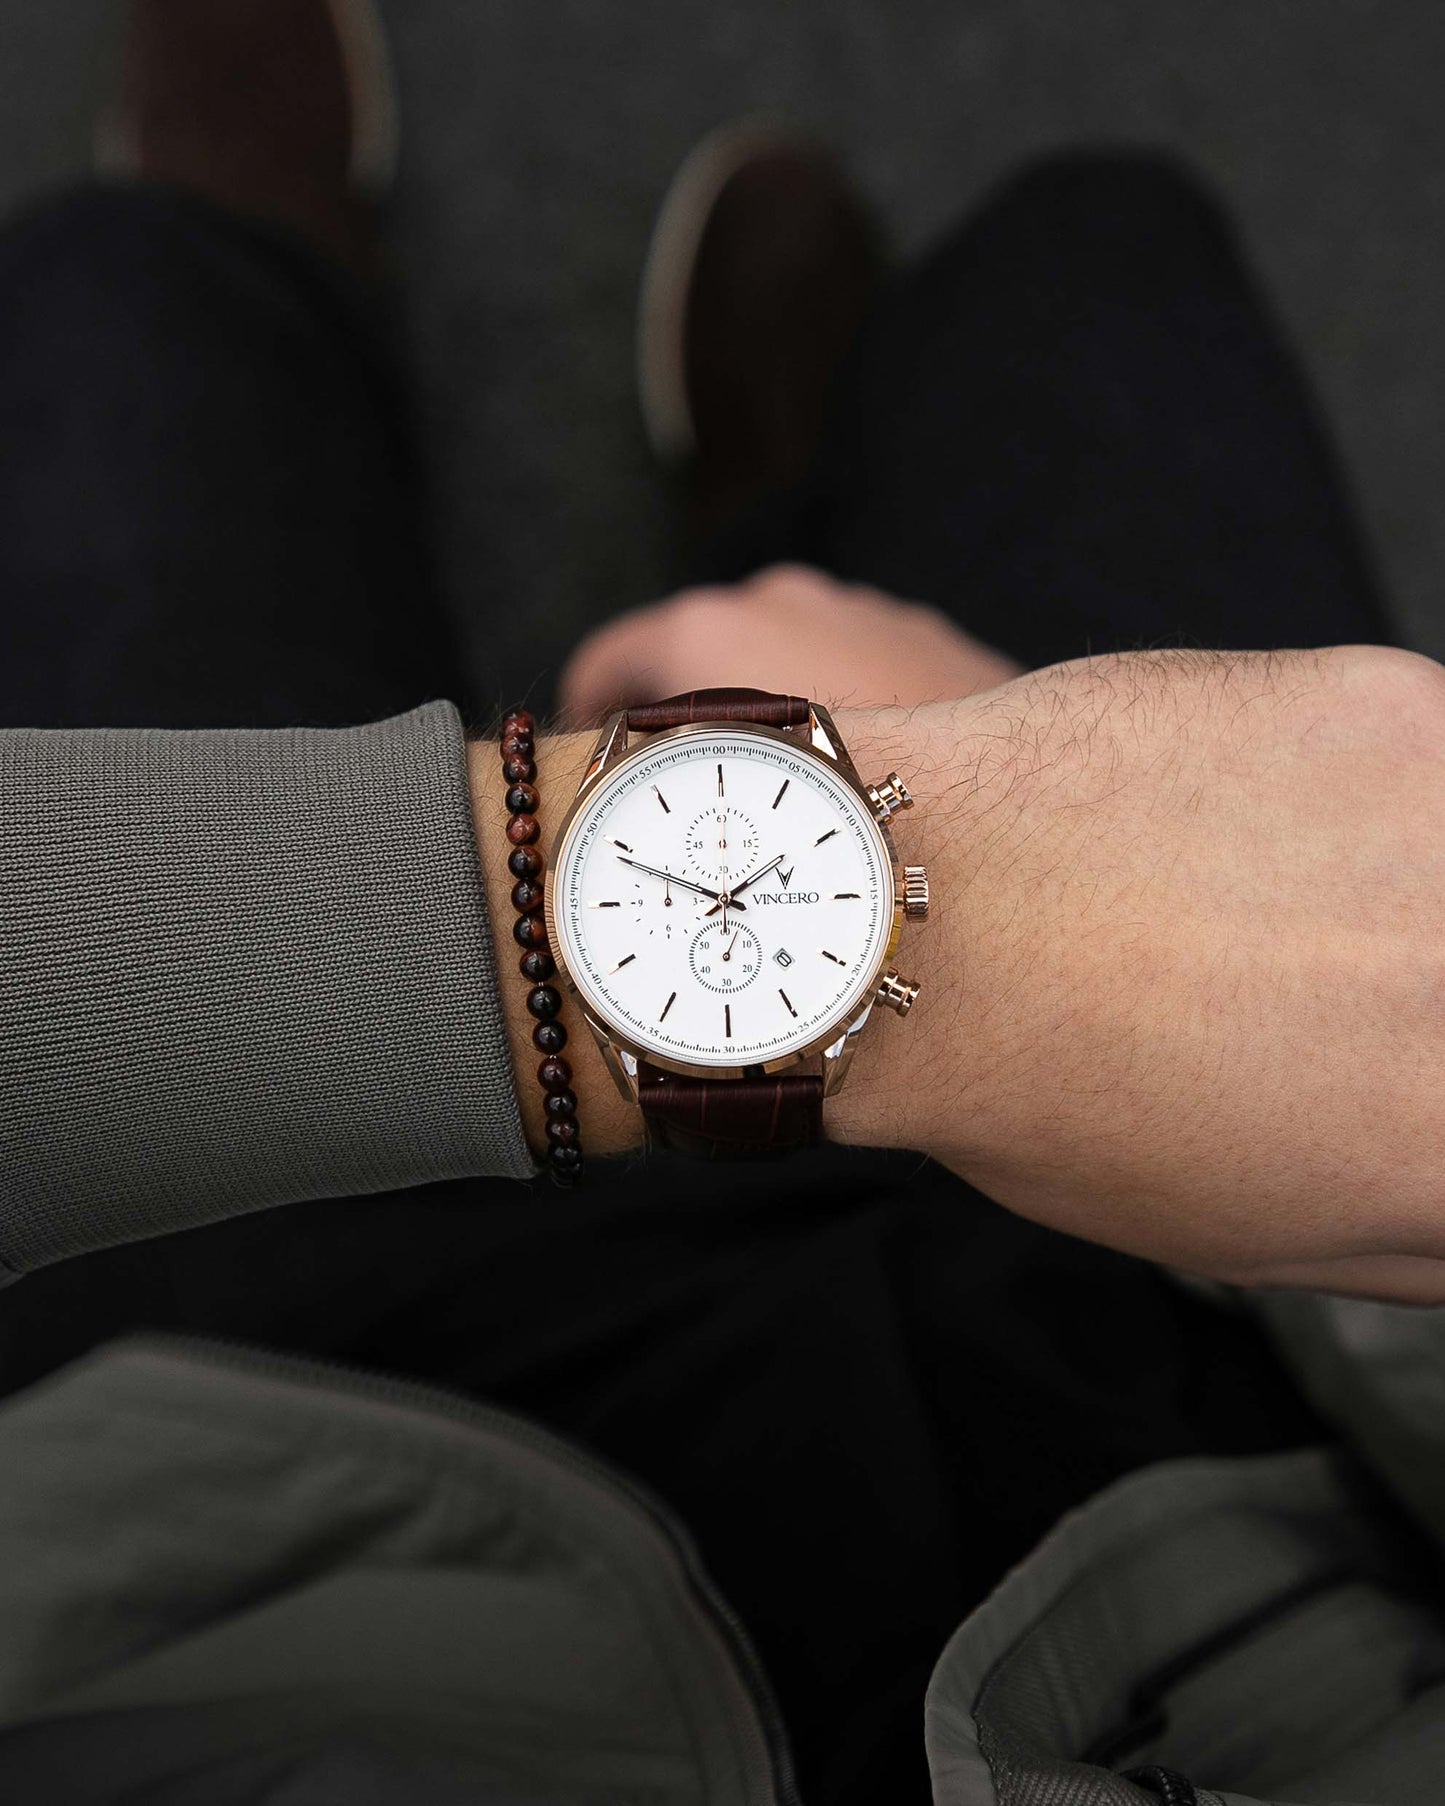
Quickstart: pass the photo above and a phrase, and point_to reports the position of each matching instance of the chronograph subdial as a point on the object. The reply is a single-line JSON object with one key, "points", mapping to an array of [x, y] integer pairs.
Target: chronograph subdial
{"points": [[721, 843], [726, 962], [670, 912]]}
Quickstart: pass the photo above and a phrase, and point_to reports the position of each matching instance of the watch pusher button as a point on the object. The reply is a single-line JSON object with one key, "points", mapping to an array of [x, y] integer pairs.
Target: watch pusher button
{"points": [[889, 797], [915, 892], [897, 992]]}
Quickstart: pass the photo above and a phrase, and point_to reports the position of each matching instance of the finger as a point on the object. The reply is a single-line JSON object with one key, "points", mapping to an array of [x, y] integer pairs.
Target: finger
{"points": [[615, 665]]}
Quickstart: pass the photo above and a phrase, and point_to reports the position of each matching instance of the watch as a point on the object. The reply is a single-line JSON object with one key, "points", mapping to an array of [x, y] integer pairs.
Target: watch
{"points": [[724, 908]]}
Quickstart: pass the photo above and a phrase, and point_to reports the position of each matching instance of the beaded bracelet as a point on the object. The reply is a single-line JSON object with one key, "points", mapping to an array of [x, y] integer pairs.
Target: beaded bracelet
{"points": [[544, 1000]]}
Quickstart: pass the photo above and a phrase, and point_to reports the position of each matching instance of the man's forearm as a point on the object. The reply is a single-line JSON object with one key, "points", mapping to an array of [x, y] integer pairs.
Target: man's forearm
{"points": [[1182, 983]]}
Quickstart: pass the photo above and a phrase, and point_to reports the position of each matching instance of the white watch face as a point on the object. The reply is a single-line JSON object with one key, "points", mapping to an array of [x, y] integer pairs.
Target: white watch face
{"points": [[639, 887]]}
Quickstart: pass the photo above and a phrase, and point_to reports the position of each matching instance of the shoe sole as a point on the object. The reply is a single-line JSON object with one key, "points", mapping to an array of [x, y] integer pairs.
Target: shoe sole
{"points": [[371, 81], [371, 93], [667, 275]]}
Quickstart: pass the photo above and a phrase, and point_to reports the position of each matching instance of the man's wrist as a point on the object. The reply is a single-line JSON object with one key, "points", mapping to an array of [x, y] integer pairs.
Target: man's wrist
{"points": [[608, 1123], [907, 1086]]}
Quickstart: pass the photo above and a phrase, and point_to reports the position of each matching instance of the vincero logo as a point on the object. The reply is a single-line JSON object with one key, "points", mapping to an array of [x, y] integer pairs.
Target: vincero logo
{"points": [[785, 895]]}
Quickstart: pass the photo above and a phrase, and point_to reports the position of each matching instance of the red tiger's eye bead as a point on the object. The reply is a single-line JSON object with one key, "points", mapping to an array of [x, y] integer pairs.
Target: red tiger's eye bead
{"points": [[525, 862], [564, 1163], [529, 931]]}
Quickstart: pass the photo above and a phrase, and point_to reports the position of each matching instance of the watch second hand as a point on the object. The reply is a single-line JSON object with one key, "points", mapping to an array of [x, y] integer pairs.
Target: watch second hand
{"points": [[672, 878]]}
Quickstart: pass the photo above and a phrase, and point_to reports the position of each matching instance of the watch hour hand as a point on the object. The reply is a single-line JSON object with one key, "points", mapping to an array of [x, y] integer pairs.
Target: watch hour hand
{"points": [[752, 877], [761, 872]]}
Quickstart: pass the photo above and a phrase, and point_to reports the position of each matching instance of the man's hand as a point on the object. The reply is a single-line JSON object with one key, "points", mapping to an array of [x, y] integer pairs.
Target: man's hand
{"points": [[788, 628]]}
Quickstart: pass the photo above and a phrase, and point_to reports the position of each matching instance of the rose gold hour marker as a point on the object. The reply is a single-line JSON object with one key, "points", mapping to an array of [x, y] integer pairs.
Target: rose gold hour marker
{"points": [[822, 837], [784, 995], [719, 780], [728, 1020], [632, 956], [608, 905], [618, 843], [840, 896], [779, 797], [662, 799], [667, 1006], [832, 956]]}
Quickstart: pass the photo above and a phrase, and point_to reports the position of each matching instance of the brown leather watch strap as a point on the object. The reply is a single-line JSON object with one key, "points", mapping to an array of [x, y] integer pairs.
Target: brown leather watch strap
{"points": [[759, 706], [727, 1118], [730, 1118]]}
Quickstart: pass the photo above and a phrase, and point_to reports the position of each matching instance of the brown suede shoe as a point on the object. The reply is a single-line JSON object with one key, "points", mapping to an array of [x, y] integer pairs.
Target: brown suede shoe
{"points": [[281, 110], [762, 265]]}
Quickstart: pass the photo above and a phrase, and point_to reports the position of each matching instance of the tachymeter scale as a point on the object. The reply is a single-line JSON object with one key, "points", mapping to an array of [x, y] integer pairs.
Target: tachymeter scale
{"points": [[638, 913]]}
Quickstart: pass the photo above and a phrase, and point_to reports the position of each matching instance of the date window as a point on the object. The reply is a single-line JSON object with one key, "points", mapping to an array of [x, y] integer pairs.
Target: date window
{"points": [[783, 957]]}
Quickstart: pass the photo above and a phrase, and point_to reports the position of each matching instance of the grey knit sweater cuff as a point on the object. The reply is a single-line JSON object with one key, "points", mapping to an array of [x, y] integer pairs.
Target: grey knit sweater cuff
{"points": [[239, 969]]}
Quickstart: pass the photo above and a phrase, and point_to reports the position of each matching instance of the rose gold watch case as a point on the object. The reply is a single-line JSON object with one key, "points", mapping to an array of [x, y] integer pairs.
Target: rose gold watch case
{"points": [[819, 739]]}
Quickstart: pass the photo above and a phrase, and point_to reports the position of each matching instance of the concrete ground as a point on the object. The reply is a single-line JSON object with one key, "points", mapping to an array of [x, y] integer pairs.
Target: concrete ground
{"points": [[538, 141]]}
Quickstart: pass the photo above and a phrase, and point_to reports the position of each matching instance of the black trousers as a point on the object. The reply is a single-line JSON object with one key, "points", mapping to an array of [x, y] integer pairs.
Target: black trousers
{"points": [[866, 1388]]}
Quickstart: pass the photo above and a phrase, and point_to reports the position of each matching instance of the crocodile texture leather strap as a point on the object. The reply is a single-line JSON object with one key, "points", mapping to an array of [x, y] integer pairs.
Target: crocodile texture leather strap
{"points": [[730, 1118], [727, 1118], [759, 706]]}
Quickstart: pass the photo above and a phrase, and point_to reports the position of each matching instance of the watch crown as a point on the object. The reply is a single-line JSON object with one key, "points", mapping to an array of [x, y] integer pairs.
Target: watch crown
{"points": [[889, 797], [898, 993], [915, 892]]}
